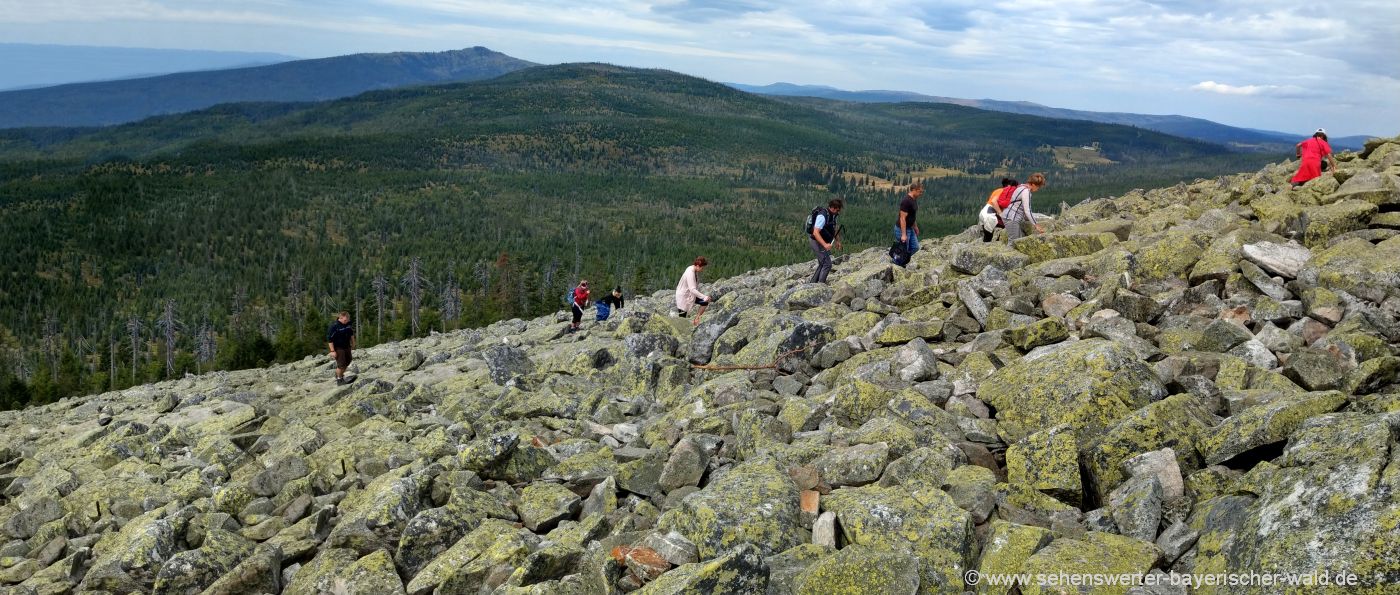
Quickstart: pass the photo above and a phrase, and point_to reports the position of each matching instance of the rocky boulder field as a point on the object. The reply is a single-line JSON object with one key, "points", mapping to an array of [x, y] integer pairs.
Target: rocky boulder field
{"points": [[1196, 379]]}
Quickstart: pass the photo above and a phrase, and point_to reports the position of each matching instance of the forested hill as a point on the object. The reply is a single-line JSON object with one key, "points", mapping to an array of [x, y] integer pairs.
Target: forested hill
{"points": [[226, 237], [115, 102]]}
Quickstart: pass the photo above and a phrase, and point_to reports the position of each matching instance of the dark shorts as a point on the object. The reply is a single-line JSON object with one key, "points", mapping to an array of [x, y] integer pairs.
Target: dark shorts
{"points": [[342, 357], [698, 302]]}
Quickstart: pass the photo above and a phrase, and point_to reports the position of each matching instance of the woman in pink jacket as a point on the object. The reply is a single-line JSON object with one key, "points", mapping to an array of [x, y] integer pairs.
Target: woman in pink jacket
{"points": [[688, 291]]}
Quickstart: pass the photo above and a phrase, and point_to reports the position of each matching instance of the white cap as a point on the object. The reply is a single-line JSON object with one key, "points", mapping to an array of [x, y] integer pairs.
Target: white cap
{"points": [[1320, 131]]}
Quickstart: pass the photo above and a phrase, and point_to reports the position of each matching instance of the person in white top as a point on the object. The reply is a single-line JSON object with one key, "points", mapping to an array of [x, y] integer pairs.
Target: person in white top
{"points": [[688, 291], [1019, 214]]}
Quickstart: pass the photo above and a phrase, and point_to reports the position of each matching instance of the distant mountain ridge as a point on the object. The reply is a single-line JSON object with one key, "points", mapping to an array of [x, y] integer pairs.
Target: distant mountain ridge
{"points": [[1185, 126], [32, 65], [121, 101]]}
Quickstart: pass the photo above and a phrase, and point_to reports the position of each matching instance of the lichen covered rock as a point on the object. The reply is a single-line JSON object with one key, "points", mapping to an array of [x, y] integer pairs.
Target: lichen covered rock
{"points": [[1088, 385]]}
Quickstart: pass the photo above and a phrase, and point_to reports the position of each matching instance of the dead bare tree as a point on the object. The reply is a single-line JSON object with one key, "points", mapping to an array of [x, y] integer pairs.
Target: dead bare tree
{"points": [[414, 283], [380, 286], [134, 329], [52, 344], [295, 288], [206, 346], [169, 327], [451, 300]]}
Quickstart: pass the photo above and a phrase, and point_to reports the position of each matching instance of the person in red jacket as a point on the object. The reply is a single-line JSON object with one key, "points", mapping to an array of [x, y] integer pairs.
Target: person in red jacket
{"points": [[580, 302], [1311, 152]]}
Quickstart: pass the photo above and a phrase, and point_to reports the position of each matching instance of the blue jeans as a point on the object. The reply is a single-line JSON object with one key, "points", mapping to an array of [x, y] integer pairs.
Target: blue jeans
{"points": [[913, 239]]}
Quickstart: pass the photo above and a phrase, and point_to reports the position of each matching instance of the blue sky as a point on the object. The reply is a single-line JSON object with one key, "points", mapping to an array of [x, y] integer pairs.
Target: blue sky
{"points": [[1287, 65]]}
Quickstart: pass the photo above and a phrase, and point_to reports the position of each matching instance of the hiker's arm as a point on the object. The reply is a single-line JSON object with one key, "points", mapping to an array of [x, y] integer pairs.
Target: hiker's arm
{"points": [[1333, 161], [903, 229], [836, 238], [816, 235], [331, 347]]}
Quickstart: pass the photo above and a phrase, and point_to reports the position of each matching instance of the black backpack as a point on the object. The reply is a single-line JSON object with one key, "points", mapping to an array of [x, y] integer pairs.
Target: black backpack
{"points": [[899, 253], [812, 220]]}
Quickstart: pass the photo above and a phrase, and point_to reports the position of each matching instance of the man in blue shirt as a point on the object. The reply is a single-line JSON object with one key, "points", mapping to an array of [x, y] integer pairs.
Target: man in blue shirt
{"points": [[825, 234]]}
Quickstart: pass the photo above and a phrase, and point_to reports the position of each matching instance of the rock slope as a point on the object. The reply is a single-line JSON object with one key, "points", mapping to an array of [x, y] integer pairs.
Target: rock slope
{"points": [[1197, 379]]}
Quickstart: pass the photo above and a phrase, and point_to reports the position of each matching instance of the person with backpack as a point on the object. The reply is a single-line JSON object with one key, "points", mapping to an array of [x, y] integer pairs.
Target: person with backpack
{"points": [[688, 291], [992, 214], [821, 225], [906, 227], [609, 302], [578, 302], [1310, 152], [1018, 213]]}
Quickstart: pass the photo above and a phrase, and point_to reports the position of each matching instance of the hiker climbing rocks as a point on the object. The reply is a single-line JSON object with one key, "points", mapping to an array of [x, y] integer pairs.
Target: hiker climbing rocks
{"points": [[608, 303], [906, 228], [340, 339], [578, 303], [688, 291], [821, 225], [991, 216], [1310, 152], [1019, 214]]}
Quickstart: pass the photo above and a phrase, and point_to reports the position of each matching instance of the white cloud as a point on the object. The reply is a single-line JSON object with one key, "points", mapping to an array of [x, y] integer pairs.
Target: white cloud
{"points": [[1224, 89]]}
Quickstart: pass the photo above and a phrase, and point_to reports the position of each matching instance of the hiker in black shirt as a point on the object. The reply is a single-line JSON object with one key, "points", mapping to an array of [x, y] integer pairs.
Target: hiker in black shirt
{"points": [[340, 339], [610, 302], [906, 227]]}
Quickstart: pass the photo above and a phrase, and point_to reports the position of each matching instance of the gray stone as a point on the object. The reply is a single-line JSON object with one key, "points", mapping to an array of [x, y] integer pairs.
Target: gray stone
{"points": [[1256, 354], [275, 475], [831, 354], [805, 296], [647, 344], [24, 523], [674, 547], [685, 466], [1136, 307], [1285, 260], [601, 500], [542, 505], [1059, 304], [1175, 540], [787, 385], [412, 361], [1161, 464], [824, 530], [1315, 369], [898, 572], [702, 342], [1136, 506], [853, 466], [915, 362], [1276, 339], [974, 303], [507, 362], [1263, 282]]}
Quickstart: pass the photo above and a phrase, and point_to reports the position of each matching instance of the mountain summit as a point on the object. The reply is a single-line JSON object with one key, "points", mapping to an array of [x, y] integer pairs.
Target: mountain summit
{"points": [[1199, 379], [116, 102]]}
